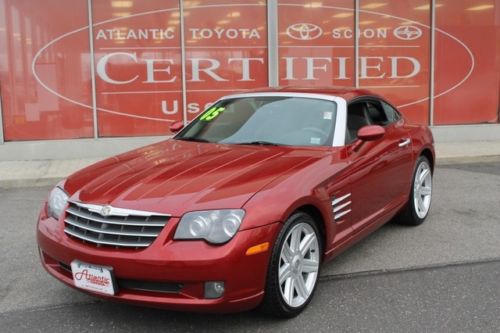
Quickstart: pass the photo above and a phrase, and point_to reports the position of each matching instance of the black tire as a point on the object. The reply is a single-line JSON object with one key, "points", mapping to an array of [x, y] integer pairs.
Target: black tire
{"points": [[409, 214], [274, 302]]}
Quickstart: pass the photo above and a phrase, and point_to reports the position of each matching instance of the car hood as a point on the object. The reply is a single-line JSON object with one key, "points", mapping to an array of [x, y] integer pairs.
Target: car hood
{"points": [[175, 176]]}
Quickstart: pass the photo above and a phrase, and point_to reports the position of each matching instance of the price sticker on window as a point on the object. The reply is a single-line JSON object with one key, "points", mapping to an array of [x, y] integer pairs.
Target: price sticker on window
{"points": [[212, 113]]}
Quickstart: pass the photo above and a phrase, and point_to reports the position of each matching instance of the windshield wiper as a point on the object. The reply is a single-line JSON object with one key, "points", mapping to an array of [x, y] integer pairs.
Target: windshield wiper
{"points": [[191, 138], [259, 143]]}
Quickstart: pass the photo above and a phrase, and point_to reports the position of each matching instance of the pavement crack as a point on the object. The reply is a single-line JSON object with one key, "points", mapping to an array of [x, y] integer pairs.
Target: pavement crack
{"points": [[345, 276]]}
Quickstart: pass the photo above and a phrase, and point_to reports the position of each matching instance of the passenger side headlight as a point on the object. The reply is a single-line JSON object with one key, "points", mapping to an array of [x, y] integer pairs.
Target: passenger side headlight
{"points": [[57, 201], [214, 226]]}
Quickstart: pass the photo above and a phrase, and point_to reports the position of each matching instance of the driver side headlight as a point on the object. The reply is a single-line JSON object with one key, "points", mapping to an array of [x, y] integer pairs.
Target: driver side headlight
{"points": [[214, 226], [57, 201]]}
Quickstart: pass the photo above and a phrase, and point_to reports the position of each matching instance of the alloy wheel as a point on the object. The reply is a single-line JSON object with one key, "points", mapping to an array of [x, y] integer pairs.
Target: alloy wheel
{"points": [[298, 265], [422, 189]]}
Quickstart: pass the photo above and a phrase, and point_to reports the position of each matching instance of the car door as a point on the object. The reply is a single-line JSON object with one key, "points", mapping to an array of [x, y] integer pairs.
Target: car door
{"points": [[399, 139], [376, 166]]}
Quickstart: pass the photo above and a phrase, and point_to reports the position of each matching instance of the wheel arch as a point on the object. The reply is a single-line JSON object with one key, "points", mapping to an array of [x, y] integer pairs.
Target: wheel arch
{"points": [[318, 218], [429, 155]]}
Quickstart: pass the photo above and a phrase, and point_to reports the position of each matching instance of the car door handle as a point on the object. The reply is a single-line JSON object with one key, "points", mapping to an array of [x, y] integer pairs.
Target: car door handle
{"points": [[404, 142]]}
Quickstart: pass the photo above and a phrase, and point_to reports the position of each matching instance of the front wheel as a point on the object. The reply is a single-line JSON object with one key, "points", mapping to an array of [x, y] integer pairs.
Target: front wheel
{"points": [[419, 203], [293, 268]]}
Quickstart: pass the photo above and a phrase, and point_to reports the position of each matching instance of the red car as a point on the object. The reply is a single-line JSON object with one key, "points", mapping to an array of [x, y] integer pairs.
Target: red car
{"points": [[243, 205]]}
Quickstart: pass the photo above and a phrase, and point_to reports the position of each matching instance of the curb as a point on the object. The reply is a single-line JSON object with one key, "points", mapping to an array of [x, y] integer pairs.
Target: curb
{"points": [[467, 159], [52, 180], [29, 182]]}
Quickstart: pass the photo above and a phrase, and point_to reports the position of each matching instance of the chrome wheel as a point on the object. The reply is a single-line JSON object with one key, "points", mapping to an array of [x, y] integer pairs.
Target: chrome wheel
{"points": [[422, 189], [298, 265]]}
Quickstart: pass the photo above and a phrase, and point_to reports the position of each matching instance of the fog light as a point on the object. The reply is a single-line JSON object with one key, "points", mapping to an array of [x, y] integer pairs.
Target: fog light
{"points": [[214, 289]]}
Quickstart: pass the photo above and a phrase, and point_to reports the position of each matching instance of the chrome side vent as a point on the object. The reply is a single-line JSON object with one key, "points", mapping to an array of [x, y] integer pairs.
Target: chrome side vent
{"points": [[341, 206]]}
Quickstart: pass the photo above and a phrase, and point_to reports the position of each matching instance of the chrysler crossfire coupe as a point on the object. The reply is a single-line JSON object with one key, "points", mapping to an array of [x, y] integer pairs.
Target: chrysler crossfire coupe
{"points": [[243, 205]]}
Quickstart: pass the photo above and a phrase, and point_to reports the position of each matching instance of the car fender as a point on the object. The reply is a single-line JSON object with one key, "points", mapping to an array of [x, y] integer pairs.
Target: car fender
{"points": [[422, 139], [305, 190]]}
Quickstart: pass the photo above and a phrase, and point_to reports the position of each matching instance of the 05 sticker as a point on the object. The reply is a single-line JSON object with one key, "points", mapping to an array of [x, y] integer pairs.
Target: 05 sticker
{"points": [[212, 113]]}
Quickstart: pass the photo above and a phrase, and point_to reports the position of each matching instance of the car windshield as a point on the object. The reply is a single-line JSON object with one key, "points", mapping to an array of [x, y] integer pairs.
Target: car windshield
{"points": [[269, 120]]}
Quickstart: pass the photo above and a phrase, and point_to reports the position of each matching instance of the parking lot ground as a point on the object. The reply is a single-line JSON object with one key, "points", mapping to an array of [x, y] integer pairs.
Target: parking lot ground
{"points": [[442, 276], [461, 298]]}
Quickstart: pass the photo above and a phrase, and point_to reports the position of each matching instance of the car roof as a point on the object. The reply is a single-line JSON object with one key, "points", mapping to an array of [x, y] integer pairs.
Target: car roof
{"points": [[346, 93]]}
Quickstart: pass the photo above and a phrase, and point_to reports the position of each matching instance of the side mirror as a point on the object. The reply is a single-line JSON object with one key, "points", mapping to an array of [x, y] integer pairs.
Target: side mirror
{"points": [[371, 133], [177, 126]]}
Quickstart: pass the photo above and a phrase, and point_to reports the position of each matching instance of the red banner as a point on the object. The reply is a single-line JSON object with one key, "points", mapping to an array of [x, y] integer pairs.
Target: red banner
{"points": [[137, 54], [46, 78], [226, 50]]}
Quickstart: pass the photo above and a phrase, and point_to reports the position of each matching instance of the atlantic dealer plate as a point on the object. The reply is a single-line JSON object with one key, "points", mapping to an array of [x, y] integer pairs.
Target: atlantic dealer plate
{"points": [[93, 278]]}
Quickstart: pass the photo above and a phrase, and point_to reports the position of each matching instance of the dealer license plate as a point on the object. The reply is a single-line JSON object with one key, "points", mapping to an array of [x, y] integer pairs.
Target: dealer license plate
{"points": [[93, 278]]}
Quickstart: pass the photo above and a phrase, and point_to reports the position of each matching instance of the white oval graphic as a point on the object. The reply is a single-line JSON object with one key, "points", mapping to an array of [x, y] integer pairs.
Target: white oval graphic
{"points": [[308, 34], [86, 28]]}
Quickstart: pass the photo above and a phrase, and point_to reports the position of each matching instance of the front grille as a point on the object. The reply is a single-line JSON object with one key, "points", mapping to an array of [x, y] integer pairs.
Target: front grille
{"points": [[110, 226]]}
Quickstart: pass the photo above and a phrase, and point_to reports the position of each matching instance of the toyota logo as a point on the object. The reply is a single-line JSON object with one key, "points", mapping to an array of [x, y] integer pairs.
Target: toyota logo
{"points": [[407, 32], [105, 210], [304, 31]]}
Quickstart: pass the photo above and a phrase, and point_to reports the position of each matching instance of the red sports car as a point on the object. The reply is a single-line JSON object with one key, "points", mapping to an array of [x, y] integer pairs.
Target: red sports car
{"points": [[243, 205]]}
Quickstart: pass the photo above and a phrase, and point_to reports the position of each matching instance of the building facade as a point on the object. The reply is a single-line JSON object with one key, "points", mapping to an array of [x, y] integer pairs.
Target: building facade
{"points": [[71, 70]]}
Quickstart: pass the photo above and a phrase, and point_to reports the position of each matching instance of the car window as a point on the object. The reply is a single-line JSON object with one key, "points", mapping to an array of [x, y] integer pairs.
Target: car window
{"points": [[391, 114], [356, 118], [376, 113], [266, 119]]}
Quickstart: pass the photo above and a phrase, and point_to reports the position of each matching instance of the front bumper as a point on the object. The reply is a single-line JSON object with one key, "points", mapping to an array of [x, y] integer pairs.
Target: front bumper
{"points": [[186, 263]]}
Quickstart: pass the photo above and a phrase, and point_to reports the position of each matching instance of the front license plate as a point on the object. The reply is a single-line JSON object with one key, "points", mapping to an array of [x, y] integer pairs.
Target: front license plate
{"points": [[93, 278]]}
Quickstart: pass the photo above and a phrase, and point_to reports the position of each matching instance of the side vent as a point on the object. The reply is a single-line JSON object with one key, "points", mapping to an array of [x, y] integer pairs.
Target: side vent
{"points": [[341, 206]]}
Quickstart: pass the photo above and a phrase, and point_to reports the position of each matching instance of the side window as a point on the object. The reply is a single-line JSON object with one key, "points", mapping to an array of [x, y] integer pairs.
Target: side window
{"points": [[376, 114], [391, 114], [356, 118]]}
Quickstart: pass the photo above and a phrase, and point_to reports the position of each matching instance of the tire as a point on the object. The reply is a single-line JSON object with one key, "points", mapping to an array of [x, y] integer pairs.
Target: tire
{"points": [[297, 270], [419, 203]]}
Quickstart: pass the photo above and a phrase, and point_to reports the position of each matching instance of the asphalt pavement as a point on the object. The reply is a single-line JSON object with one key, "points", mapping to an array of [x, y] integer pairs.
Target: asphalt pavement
{"points": [[442, 276]]}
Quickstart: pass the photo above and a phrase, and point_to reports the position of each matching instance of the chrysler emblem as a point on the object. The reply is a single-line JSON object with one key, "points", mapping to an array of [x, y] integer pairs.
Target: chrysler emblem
{"points": [[105, 210]]}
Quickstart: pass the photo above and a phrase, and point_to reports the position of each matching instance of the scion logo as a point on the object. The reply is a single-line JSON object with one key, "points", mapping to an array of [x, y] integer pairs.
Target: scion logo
{"points": [[304, 31], [407, 32]]}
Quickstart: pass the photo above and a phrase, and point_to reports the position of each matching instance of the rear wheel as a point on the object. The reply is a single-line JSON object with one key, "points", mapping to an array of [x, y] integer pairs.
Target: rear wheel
{"points": [[293, 268], [419, 203]]}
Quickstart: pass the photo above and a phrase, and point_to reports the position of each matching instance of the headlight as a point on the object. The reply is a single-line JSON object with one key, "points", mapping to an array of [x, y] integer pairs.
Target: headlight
{"points": [[57, 201], [214, 226]]}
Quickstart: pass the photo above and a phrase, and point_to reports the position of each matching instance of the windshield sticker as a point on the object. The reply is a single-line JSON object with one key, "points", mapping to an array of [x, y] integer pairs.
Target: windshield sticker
{"points": [[327, 115], [212, 113], [315, 141]]}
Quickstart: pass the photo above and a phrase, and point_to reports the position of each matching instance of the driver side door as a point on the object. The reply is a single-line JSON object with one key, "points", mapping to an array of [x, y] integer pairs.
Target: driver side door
{"points": [[375, 165]]}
